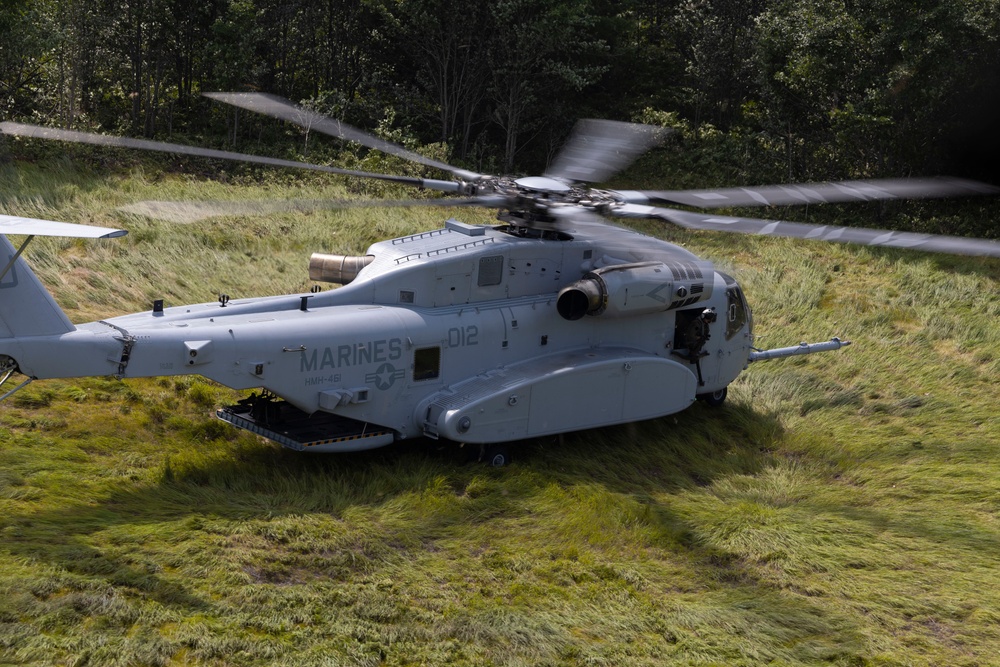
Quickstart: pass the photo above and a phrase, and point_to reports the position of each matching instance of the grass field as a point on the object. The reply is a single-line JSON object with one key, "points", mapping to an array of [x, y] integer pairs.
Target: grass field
{"points": [[841, 509]]}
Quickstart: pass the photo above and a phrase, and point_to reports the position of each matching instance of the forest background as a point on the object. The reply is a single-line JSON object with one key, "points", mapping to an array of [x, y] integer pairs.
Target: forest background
{"points": [[792, 90]]}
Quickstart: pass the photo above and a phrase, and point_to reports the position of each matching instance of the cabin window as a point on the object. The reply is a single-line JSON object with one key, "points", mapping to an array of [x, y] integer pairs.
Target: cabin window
{"points": [[426, 363]]}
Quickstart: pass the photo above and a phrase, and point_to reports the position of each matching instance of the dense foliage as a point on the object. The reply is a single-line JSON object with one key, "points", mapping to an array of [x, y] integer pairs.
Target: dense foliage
{"points": [[823, 87]]}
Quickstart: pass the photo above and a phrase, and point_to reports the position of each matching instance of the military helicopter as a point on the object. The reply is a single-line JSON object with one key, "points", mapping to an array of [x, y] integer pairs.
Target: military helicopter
{"points": [[551, 321]]}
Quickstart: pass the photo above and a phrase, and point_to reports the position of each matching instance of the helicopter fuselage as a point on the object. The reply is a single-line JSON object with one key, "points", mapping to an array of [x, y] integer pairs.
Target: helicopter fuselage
{"points": [[462, 333], [557, 321]]}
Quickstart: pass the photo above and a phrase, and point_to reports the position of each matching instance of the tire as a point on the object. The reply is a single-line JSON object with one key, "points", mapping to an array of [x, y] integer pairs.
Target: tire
{"points": [[716, 398], [496, 457]]}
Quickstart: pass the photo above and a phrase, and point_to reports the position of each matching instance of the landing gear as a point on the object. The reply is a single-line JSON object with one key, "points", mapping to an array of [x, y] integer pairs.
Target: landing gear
{"points": [[716, 398], [495, 456]]}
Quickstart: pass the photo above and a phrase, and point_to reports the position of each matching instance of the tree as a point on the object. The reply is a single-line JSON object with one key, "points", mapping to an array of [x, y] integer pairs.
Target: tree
{"points": [[814, 66], [870, 87], [541, 52], [716, 40], [443, 44], [24, 51]]}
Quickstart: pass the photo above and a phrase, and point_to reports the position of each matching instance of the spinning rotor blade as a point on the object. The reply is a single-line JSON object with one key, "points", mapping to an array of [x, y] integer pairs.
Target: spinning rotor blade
{"points": [[814, 193], [598, 149], [874, 237], [34, 131], [183, 212], [276, 107]]}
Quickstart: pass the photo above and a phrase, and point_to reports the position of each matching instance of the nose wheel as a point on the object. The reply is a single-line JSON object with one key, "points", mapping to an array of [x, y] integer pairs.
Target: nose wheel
{"points": [[715, 398]]}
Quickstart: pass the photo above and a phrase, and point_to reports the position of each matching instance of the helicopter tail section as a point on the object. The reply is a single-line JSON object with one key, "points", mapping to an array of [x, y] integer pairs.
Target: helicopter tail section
{"points": [[36, 338], [26, 307]]}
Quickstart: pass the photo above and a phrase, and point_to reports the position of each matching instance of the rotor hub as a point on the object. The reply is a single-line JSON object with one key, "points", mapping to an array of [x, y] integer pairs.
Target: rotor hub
{"points": [[543, 184]]}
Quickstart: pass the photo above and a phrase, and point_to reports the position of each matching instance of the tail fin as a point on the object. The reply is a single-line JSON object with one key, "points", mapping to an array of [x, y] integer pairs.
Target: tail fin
{"points": [[26, 307]]}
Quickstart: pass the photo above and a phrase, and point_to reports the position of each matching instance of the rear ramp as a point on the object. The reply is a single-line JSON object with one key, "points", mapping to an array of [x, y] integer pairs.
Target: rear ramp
{"points": [[290, 427]]}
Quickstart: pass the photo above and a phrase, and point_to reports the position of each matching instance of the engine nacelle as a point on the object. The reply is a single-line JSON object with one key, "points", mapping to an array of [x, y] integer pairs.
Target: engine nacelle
{"points": [[637, 289], [339, 269]]}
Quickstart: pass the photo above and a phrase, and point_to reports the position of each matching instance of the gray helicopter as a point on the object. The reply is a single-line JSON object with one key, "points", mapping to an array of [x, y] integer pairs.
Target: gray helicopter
{"points": [[553, 320]]}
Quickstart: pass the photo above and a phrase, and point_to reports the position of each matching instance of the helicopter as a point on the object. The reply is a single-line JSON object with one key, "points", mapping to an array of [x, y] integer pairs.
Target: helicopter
{"points": [[550, 321]]}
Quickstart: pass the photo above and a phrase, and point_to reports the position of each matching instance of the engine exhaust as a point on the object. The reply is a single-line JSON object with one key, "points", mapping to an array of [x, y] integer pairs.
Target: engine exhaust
{"points": [[338, 269]]}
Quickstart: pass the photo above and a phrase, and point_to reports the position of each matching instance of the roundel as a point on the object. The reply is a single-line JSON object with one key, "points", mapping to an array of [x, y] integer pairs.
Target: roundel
{"points": [[384, 376]]}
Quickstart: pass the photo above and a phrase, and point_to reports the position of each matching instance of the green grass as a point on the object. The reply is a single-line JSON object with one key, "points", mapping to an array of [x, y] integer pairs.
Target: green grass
{"points": [[841, 509]]}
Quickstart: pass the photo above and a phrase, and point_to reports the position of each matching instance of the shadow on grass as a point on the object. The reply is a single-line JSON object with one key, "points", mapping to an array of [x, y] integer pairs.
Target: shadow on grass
{"points": [[247, 480], [242, 510]]}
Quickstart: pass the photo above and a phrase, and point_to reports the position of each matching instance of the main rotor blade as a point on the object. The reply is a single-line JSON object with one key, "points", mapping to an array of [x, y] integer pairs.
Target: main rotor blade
{"points": [[814, 193], [874, 237], [598, 149], [187, 212], [35, 131], [277, 107]]}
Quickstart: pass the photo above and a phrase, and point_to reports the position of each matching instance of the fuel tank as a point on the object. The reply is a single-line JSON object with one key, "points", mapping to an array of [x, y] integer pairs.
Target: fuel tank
{"points": [[543, 396]]}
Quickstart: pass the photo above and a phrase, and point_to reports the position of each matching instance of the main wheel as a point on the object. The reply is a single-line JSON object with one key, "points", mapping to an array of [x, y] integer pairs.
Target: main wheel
{"points": [[496, 456], [716, 398]]}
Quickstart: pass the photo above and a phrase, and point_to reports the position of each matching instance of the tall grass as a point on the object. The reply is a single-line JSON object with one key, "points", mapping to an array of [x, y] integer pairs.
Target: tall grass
{"points": [[840, 509]]}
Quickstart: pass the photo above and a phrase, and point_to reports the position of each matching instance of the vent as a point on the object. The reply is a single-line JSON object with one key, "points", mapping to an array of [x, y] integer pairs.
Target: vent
{"points": [[463, 228], [684, 270], [490, 270]]}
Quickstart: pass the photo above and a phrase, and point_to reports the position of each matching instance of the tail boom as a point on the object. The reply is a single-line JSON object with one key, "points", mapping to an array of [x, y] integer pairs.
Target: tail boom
{"points": [[36, 337], [92, 349]]}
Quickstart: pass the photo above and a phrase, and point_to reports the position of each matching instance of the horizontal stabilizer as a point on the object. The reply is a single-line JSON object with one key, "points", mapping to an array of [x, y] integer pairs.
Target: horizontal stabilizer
{"points": [[12, 224]]}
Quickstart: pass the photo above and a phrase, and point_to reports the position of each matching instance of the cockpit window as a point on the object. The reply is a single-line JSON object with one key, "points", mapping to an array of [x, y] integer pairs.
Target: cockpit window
{"points": [[736, 311]]}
